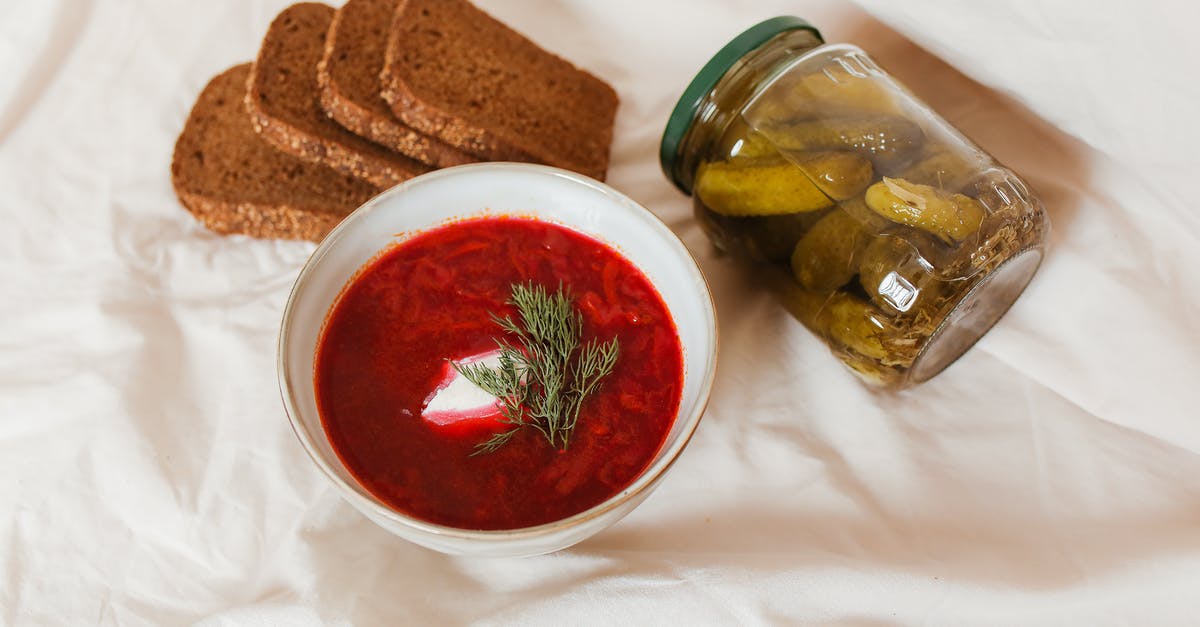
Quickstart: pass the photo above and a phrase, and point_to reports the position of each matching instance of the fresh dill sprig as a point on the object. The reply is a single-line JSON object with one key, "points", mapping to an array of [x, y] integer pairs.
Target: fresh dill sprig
{"points": [[543, 374]]}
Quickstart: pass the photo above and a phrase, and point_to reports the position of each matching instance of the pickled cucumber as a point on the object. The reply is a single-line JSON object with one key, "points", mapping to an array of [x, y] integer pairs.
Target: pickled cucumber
{"points": [[819, 94], [762, 238], [857, 208], [742, 142], [804, 305], [773, 238], [847, 321], [895, 274], [842, 91], [855, 324], [839, 174], [887, 139], [951, 217], [718, 234], [750, 189], [826, 258]]}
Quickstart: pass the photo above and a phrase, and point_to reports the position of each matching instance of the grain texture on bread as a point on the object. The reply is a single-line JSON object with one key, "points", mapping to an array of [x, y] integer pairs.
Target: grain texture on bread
{"points": [[454, 72], [284, 102], [348, 76], [234, 182]]}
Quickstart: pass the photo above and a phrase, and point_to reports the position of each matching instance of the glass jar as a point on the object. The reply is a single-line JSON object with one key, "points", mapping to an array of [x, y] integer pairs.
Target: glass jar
{"points": [[878, 225]]}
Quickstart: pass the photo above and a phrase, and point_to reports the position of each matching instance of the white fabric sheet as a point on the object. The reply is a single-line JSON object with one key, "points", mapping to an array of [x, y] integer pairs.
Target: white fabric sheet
{"points": [[148, 474]]}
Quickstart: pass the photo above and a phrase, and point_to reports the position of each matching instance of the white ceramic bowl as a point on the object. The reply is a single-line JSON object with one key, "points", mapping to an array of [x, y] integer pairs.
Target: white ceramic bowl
{"points": [[558, 196]]}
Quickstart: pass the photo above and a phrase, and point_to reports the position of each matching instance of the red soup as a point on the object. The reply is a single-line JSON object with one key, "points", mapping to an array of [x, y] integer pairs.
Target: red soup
{"points": [[385, 352]]}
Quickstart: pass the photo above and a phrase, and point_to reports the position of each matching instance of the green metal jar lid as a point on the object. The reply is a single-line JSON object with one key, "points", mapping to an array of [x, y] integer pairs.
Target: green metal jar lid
{"points": [[685, 110]]}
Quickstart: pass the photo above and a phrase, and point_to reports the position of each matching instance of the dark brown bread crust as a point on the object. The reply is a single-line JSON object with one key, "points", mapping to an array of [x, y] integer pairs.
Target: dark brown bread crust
{"points": [[454, 72], [284, 103], [233, 182], [348, 76]]}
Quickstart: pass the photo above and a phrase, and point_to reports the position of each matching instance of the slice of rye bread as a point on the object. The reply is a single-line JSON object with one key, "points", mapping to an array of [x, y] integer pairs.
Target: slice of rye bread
{"points": [[284, 102], [234, 182], [454, 72], [348, 75]]}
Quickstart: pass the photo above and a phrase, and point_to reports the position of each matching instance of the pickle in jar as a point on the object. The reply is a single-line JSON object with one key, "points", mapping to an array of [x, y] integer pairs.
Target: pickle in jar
{"points": [[710, 225], [773, 238], [840, 174], [846, 321], [734, 188], [856, 325], [820, 93], [826, 258], [951, 217], [762, 238], [895, 275], [740, 141], [841, 91], [804, 305], [857, 208], [889, 140]]}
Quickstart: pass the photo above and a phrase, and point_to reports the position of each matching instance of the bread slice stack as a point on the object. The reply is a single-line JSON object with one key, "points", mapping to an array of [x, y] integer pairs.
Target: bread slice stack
{"points": [[341, 104], [235, 182]]}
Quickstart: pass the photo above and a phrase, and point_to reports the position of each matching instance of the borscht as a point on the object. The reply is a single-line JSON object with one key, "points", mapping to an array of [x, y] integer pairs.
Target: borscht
{"points": [[498, 373]]}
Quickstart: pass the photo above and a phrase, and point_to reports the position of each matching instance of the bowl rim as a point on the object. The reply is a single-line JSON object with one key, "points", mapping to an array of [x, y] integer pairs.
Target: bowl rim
{"points": [[646, 480]]}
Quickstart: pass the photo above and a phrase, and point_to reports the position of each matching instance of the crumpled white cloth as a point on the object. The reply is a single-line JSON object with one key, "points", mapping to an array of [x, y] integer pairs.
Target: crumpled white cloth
{"points": [[148, 474]]}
